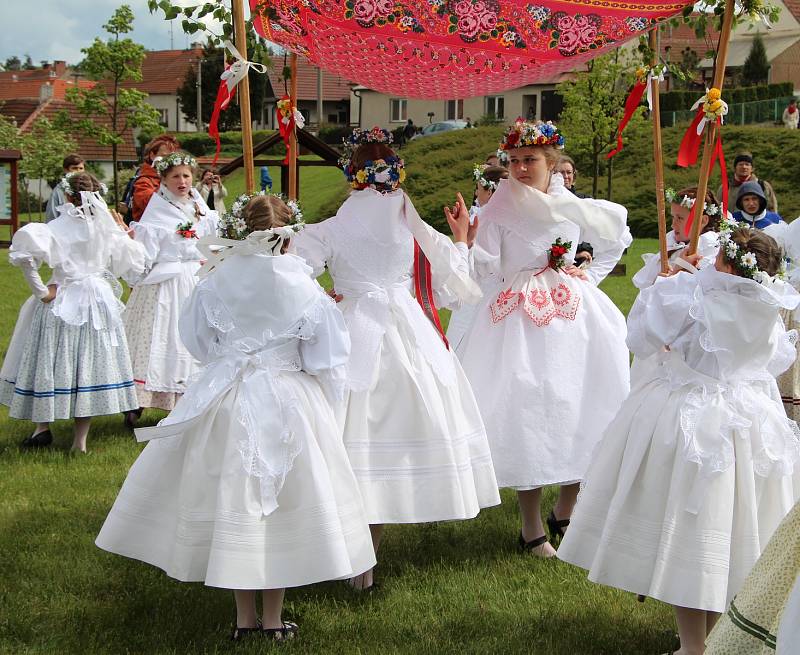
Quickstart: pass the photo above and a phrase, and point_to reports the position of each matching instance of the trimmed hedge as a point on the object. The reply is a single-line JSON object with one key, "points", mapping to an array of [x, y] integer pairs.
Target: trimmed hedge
{"points": [[684, 99], [200, 144]]}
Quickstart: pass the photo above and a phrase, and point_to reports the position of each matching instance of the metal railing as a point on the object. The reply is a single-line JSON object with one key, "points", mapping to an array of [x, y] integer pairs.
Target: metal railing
{"points": [[744, 113]]}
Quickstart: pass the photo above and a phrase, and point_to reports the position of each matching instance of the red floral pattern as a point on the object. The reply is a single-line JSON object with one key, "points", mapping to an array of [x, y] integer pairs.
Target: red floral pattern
{"points": [[453, 48]]}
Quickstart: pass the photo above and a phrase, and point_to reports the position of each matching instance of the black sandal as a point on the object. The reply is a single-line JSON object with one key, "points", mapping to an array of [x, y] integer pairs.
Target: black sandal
{"points": [[528, 546], [132, 417], [286, 632], [238, 634], [556, 528]]}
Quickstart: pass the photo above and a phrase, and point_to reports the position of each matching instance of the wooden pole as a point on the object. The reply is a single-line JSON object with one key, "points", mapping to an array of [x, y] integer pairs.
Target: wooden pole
{"points": [[244, 98], [292, 191], [658, 156], [712, 129]]}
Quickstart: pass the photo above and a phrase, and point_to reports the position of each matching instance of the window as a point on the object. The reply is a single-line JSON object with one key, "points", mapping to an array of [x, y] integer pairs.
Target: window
{"points": [[495, 106], [163, 117], [454, 110], [398, 110]]}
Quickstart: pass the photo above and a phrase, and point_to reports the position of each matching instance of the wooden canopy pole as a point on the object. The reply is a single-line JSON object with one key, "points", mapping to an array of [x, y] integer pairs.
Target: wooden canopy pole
{"points": [[244, 98], [712, 129], [658, 156], [292, 191]]}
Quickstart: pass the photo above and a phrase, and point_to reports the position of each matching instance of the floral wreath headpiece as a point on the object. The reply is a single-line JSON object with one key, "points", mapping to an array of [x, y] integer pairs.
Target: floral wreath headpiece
{"points": [[66, 188], [163, 164], [477, 175], [523, 133], [381, 174], [709, 209], [744, 262], [233, 226]]}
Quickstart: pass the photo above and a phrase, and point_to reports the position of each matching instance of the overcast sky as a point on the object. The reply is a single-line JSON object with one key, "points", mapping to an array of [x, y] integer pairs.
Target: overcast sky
{"points": [[60, 28]]}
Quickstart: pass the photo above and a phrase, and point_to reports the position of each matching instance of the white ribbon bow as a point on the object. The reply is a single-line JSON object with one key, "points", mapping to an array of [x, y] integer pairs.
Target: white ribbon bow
{"points": [[702, 124], [216, 249], [238, 69], [650, 78]]}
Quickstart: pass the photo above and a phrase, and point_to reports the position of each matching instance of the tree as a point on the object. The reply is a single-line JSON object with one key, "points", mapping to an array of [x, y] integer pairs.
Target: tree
{"points": [[756, 67], [594, 104], [108, 110], [213, 66]]}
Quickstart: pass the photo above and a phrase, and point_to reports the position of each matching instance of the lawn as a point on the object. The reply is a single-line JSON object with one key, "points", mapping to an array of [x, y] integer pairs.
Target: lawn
{"points": [[445, 588]]}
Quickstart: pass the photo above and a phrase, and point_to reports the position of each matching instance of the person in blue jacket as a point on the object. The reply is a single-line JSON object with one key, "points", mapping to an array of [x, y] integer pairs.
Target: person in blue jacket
{"points": [[266, 179], [751, 207]]}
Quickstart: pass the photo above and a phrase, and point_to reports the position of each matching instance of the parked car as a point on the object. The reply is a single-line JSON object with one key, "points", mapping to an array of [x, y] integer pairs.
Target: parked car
{"points": [[439, 128]]}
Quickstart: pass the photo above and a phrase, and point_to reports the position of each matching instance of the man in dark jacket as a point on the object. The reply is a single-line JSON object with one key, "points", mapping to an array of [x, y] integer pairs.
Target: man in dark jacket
{"points": [[751, 207]]}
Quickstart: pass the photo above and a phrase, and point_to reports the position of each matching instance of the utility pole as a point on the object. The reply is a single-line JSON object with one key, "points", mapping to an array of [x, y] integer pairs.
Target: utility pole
{"points": [[199, 121]]}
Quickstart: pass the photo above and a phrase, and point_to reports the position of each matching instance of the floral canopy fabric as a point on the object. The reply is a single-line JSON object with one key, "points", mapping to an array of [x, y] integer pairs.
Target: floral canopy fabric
{"points": [[453, 48]]}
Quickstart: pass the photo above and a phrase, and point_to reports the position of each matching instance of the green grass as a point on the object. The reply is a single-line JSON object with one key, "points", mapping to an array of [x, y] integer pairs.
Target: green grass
{"points": [[446, 588]]}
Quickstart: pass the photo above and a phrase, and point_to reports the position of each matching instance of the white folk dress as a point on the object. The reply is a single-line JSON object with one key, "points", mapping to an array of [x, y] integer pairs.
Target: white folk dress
{"points": [[69, 358], [161, 363], [412, 428], [246, 484], [707, 246], [696, 471], [546, 354]]}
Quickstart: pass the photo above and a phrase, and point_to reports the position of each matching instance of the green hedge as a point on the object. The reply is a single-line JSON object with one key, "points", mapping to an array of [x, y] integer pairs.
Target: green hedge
{"points": [[684, 99], [200, 144]]}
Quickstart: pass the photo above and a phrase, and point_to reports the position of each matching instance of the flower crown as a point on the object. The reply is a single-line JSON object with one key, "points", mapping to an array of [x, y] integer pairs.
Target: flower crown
{"points": [[477, 175], [67, 188], [709, 209], [163, 164], [745, 263], [382, 174], [233, 226], [523, 133]]}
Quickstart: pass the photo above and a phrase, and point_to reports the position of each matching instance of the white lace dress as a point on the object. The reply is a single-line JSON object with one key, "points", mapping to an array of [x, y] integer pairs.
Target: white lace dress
{"points": [[69, 358], [246, 484], [696, 471], [411, 428], [546, 353], [161, 364]]}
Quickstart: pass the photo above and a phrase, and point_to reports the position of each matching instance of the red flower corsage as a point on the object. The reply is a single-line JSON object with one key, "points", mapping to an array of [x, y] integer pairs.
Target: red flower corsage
{"points": [[557, 252], [186, 230]]}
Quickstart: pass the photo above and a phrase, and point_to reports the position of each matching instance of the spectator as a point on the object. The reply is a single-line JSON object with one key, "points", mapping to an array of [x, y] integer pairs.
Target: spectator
{"points": [[266, 179], [493, 160], [469, 122], [212, 190], [791, 115], [409, 130], [566, 166], [751, 207], [147, 179], [743, 171], [72, 164]]}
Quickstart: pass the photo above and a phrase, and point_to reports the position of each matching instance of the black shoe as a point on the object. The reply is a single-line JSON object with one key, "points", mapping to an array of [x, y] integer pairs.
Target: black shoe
{"points": [[556, 528], [41, 440], [132, 417], [287, 631], [238, 634]]}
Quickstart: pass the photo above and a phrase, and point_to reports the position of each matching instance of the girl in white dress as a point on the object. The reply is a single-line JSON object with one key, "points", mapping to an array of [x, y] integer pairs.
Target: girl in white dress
{"points": [[246, 484], [68, 356], [696, 471], [681, 204], [175, 217], [486, 180], [411, 427], [546, 354]]}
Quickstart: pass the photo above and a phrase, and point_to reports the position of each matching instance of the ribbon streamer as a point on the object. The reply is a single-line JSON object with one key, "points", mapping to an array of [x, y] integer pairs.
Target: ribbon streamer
{"points": [[690, 144], [634, 98], [229, 80], [717, 156], [290, 119], [423, 288]]}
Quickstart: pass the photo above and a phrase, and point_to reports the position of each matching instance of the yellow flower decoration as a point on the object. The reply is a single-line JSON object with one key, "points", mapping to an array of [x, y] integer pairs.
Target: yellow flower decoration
{"points": [[714, 94], [402, 175], [361, 176]]}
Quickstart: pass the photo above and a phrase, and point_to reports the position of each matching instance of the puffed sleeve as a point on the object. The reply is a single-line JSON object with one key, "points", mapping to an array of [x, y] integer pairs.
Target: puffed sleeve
{"points": [[312, 245], [785, 349], [202, 317], [127, 255], [648, 273], [486, 253], [660, 314], [151, 238], [607, 253], [326, 352], [32, 246]]}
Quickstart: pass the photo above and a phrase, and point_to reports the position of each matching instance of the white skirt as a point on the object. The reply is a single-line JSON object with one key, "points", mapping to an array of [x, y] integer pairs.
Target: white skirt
{"points": [[635, 526], [161, 364], [418, 447], [189, 508], [547, 393]]}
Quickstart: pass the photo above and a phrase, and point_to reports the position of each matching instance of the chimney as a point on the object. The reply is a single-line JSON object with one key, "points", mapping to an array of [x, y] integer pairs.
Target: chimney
{"points": [[45, 92], [60, 66]]}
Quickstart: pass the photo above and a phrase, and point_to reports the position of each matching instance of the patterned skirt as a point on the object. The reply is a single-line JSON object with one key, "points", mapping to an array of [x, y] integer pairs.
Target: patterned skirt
{"points": [[67, 371], [750, 626], [789, 382]]}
